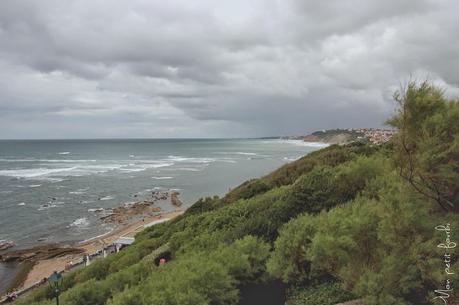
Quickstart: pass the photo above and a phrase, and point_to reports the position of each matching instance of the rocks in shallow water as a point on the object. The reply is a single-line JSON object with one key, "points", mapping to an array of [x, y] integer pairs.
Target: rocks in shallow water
{"points": [[159, 195], [175, 199], [124, 213], [39, 253], [5, 244]]}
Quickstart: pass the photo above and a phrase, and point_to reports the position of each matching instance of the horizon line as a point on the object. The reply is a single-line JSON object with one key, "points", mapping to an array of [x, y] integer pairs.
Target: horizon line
{"points": [[113, 138]]}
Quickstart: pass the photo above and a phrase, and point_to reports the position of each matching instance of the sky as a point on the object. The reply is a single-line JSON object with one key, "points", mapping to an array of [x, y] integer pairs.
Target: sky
{"points": [[201, 68]]}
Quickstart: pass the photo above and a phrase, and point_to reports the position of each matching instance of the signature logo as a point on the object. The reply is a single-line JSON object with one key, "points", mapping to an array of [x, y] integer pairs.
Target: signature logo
{"points": [[447, 244]]}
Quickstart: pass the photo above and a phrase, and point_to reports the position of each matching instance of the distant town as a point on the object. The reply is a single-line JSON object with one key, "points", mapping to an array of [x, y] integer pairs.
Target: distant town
{"points": [[343, 136]]}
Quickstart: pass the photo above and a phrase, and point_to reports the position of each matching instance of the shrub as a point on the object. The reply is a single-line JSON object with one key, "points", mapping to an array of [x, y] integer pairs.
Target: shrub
{"points": [[322, 294]]}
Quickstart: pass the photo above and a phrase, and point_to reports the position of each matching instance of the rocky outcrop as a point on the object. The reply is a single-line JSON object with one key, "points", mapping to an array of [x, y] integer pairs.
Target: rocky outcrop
{"points": [[125, 213], [6, 244], [39, 253], [175, 199], [343, 136], [334, 136]]}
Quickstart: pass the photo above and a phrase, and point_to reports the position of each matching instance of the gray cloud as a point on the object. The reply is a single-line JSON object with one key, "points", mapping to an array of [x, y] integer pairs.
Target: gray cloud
{"points": [[205, 68]]}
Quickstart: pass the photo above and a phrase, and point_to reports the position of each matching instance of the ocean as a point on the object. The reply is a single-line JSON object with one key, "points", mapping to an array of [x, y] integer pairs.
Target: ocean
{"points": [[50, 189]]}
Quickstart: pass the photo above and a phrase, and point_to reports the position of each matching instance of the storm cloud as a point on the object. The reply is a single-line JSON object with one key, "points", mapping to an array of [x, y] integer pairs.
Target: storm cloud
{"points": [[85, 69]]}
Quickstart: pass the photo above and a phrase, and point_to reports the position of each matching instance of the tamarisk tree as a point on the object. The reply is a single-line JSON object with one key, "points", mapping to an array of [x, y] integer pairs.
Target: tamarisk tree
{"points": [[427, 142]]}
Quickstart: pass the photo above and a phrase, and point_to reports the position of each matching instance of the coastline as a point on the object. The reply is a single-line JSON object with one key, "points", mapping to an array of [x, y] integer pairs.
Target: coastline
{"points": [[36, 264], [43, 268]]}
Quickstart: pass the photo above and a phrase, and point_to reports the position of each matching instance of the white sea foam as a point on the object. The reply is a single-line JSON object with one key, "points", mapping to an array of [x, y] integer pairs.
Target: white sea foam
{"points": [[79, 191], [55, 180], [83, 168], [191, 160], [21, 204], [227, 160], [80, 222], [106, 198], [189, 169], [48, 160], [133, 170], [162, 178], [64, 153], [138, 167], [159, 165], [246, 153], [33, 172], [78, 161], [34, 185]]}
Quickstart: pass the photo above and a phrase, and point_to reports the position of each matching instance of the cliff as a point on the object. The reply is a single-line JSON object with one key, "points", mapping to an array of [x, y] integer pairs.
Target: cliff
{"points": [[343, 136]]}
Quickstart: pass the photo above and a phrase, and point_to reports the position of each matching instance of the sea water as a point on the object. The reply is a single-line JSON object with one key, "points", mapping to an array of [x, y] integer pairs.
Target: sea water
{"points": [[50, 190]]}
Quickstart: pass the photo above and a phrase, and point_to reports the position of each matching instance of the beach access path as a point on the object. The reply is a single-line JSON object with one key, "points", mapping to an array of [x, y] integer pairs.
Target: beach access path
{"points": [[44, 268]]}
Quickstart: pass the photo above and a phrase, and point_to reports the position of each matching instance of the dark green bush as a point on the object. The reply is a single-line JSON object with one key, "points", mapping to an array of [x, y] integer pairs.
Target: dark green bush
{"points": [[322, 294]]}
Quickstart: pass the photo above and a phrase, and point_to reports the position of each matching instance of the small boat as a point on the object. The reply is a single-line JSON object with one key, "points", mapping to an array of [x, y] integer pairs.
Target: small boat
{"points": [[5, 244]]}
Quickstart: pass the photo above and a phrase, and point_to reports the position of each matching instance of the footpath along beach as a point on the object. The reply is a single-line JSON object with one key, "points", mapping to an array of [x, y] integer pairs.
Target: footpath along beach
{"points": [[44, 268], [93, 247], [40, 261]]}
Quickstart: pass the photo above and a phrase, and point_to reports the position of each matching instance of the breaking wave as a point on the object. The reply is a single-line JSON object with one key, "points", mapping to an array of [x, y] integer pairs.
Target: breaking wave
{"points": [[80, 222]]}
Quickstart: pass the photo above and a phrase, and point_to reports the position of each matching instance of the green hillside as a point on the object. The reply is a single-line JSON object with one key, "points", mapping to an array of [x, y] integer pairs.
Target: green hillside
{"points": [[344, 222]]}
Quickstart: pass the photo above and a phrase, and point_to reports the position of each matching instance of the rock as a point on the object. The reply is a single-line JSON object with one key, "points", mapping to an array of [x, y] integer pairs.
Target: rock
{"points": [[127, 211], [175, 199], [39, 253], [5, 244], [159, 195]]}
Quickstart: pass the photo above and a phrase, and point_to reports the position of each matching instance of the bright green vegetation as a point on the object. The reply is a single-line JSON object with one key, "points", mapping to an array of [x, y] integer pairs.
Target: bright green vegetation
{"points": [[353, 221]]}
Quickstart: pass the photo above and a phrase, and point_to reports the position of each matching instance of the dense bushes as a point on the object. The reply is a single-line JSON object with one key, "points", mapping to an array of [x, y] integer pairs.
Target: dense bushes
{"points": [[382, 249], [321, 294], [287, 174], [201, 277]]}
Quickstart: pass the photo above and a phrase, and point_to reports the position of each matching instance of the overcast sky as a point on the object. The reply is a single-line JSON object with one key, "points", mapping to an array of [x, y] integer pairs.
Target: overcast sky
{"points": [[144, 68]]}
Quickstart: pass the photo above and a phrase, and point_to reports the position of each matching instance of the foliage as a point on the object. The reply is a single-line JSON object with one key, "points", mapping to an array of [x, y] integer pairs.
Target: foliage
{"points": [[289, 261], [287, 174], [203, 205], [201, 278], [427, 143], [322, 294], [383, 249]]}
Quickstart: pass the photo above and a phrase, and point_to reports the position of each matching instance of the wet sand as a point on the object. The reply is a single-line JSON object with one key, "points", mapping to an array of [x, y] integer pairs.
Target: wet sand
{"points": [[44, 268]]}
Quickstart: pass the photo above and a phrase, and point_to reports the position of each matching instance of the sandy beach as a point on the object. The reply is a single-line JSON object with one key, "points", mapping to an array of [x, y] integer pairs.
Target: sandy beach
{"points": [[44, 268]]}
